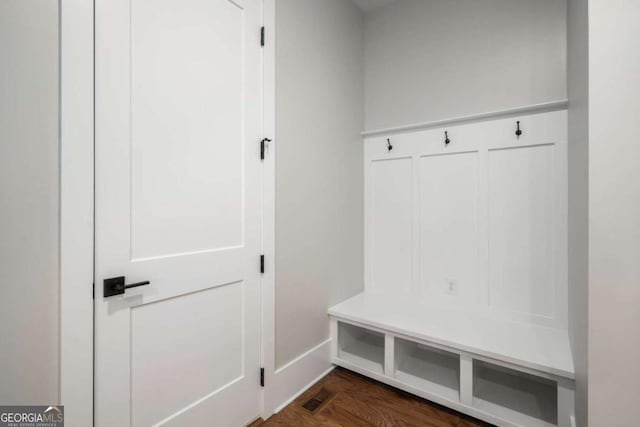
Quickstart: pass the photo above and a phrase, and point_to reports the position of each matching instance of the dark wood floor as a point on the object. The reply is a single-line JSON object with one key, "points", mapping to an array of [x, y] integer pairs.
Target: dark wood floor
{"points": [[343, 398]]}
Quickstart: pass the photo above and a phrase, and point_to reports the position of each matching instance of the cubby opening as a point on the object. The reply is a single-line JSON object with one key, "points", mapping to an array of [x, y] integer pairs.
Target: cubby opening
{"points": [[361, 347], [515, 396], [427, 368]]}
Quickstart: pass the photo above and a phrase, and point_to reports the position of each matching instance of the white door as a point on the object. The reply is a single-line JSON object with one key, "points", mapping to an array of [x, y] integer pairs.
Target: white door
{"points": [[178, 119]]}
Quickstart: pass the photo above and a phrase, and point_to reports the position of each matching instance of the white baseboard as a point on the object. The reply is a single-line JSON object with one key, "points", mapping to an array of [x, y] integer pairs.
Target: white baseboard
{"points": [[303, 389], [292, 379]]}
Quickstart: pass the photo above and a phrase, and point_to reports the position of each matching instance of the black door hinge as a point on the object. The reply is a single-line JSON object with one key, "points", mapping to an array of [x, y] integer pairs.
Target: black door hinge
{"points": [[93, 290], [261, 377], [262, 36], [263, 146], [262, 264]]}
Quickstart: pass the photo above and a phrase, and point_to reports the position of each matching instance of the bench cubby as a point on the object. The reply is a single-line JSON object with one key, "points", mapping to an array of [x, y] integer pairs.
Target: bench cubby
{"points": [[505, 373], [514, 395], [427, 368], [361, 346]]}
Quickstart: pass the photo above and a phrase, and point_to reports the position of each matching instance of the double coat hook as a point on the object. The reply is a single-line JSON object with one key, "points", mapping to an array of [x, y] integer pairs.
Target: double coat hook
{"points": [[389, 146]]}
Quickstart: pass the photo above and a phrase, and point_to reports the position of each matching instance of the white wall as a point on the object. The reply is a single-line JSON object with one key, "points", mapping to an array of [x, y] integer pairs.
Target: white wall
{"points": [[614, 213], [437, 59], [29, 196], [578, 93], [319, 176]]}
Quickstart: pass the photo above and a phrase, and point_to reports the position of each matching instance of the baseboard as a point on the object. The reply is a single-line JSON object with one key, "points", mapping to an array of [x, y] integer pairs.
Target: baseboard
{"points": [[303, 389], [292, 379]]}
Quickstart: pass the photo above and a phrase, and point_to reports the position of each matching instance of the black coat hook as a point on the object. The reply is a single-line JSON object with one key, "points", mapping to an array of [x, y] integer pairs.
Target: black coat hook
{"points": [[518, 131], [389, 146], [446, 138]]}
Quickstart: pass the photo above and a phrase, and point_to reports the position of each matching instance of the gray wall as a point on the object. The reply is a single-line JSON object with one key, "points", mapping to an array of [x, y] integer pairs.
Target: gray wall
{"points": [[29, 172], [319, 172], [436, 59], [614, 213], [578, 93]]}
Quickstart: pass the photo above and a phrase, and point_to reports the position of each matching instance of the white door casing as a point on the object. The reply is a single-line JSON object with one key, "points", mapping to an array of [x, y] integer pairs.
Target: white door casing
{"points": [[178, 113]]}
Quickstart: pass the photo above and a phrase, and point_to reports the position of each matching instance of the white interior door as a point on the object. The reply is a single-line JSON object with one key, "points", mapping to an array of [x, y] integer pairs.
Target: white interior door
{"points": [[178, 114]]}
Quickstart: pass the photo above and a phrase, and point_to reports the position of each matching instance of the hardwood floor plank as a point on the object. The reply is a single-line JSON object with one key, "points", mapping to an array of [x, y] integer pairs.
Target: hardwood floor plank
{"points": [[351, 400]]}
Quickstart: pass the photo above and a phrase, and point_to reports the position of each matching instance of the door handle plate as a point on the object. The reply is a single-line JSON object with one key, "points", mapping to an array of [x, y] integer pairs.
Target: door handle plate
{"points": [[116, 286]]}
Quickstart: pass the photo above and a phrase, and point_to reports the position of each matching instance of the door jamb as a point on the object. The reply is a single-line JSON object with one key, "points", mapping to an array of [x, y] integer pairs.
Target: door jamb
{"points": [[268, 209], [76, 54]]}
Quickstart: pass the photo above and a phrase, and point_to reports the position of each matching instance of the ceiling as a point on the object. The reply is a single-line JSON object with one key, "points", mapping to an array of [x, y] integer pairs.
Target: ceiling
{"points": [[367, 5]]}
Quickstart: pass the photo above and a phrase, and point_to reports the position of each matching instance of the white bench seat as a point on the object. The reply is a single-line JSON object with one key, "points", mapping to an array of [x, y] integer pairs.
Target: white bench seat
{"points": [[538, 348], [504, 372]]}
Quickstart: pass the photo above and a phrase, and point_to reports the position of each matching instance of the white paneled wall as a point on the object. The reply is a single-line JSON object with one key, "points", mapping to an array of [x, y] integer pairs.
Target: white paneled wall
{"points": [[520, 199], [479, 223], [448, 225], [391, 224]]}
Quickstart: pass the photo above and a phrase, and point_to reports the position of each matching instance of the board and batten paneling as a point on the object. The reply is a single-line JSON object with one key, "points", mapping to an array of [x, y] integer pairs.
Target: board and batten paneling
{"points": [[391, 224], [479, 223], [448, 214], [520, 229]]}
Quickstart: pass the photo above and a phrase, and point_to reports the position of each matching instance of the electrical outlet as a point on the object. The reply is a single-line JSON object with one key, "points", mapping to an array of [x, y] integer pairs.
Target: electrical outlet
{"points": [[450, 287]]}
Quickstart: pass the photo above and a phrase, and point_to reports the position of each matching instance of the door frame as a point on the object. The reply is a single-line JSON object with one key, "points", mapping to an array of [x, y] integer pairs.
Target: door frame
{"points": [[76, 209], [77, 78], [268, 295]]}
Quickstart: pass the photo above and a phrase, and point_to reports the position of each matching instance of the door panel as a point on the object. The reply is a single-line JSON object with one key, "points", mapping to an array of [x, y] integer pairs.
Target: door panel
{"points": [[178, 100], [186, 203], [213, 334]]}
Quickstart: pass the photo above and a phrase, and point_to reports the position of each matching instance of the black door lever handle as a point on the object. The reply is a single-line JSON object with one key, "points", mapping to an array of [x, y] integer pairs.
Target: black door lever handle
{"points": [[116, 286]]}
